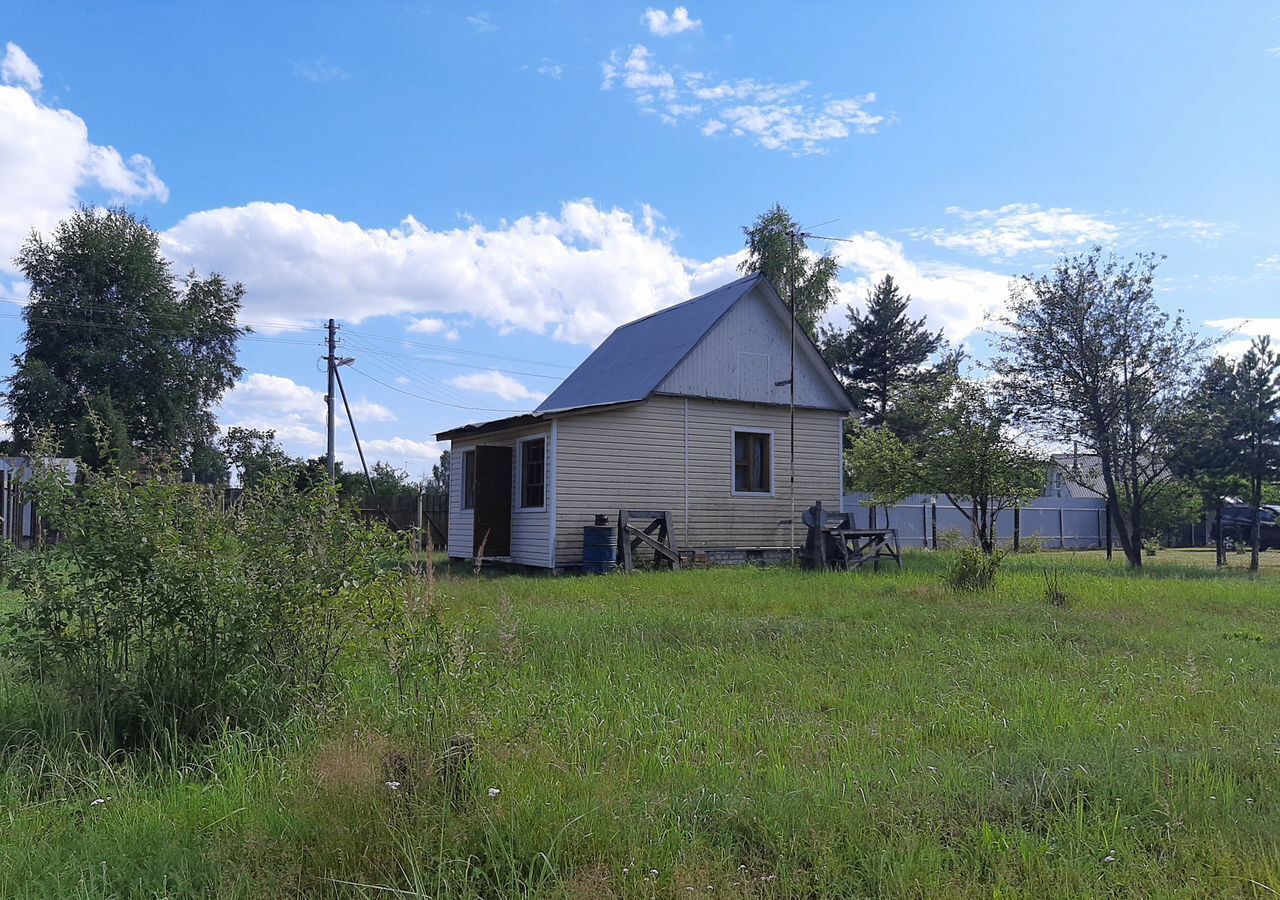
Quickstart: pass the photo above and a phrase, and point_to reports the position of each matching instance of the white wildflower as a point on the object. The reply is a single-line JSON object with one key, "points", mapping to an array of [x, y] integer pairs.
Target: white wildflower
{"points": [[493, 792]]}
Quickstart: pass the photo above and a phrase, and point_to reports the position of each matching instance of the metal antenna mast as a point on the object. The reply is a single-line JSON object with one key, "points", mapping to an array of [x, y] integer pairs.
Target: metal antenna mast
{"points": [[792, 382]]}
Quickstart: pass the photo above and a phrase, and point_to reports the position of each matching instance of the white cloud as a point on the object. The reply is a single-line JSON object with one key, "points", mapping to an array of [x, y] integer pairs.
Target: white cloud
{"points": [[48, 164], [776, 116], [665, 24], [19, 69], [320, 70], [575, 275], [1271, 262], [429, 326], [639, 74], [400, 449], [1239, 333], [481, 22], [1273, 51], [551, 69], [1018, 228], [955, 298], [494, 382], [295, 412], [1198, 230]]}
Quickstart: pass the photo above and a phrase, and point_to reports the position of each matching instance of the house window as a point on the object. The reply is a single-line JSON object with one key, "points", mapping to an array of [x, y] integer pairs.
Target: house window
{"points": [[533, 473], [468, 479], [752, 462]]}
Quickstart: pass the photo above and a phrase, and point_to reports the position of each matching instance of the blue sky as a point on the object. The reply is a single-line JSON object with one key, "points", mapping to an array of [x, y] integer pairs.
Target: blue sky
{"points": [[479, 192]]}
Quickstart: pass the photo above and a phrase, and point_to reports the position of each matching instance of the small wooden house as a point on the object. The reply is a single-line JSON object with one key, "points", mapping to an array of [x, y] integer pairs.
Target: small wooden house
{"points": [[686, 411]]}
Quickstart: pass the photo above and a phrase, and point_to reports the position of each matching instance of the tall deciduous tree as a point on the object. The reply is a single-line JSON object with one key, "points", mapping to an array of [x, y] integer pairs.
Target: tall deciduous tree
{"points": [[882, 353], [775, 250], [1256, 382], [110, 331], [438, 483], [1088, 355]]}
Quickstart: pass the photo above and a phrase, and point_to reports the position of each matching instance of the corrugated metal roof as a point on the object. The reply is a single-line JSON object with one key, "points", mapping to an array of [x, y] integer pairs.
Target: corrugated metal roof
{"points": [[632, 361]]}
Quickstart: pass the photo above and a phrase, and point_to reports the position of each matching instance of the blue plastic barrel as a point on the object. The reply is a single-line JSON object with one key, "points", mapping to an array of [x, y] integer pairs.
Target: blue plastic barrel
{"points": [[599, 549]]}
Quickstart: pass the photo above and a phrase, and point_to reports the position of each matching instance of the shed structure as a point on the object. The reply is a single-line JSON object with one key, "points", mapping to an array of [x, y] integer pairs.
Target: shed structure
{"points": [[686, 411]]}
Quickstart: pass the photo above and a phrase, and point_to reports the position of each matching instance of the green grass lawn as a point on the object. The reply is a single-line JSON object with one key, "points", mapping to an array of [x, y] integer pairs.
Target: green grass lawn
{"points": [[729, 733]]}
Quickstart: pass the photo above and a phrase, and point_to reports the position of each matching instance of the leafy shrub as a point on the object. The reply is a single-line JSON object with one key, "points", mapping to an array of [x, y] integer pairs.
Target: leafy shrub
{"points": [[953, 539], [974, 571], [1030, 543], [159, 612]]}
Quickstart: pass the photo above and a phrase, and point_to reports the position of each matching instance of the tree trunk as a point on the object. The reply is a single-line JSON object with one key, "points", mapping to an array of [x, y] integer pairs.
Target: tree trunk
{"points": [[1255, 537], [1220, 543]]}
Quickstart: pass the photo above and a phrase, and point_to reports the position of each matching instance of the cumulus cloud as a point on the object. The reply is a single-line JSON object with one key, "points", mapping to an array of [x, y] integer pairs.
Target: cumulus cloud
{"points": [[497, 383], [776, 116], [48, 163], [428, 326], [955, 298], [1239, 332], [665, 24], [1017, 228], [19, 69], [575, 275], [481, 22], [1271, 262], [295, 412], [401, 449]]}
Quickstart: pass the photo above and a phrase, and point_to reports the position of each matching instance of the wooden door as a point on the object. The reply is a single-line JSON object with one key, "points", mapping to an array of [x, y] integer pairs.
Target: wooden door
{"points": [[493, 501]]}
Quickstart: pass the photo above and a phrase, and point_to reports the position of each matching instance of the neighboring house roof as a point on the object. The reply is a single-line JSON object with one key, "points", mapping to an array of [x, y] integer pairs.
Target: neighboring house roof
{"points": [[1081, 475], [637, 357]]}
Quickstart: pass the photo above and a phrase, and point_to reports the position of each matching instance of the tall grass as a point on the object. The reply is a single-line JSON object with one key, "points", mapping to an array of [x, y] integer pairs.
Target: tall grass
{"points": [[742, 733]]}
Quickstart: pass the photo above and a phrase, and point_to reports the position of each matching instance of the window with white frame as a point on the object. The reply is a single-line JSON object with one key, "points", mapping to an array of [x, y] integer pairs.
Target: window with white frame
{"points": [[752, 462], [533, 473], [468, 479]]}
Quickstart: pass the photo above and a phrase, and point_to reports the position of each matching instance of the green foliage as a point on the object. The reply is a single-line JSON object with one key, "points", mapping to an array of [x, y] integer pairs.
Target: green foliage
{"points": [[880, 464], [438, 483], [160, 613], [974, 570], [882, 353], [787, 264], [1087, 354], [111, 333], [965, 453], [763, 732]]}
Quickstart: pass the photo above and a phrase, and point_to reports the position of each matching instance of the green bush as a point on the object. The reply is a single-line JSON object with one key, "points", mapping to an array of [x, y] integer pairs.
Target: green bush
{"points": [[160, 613], [974, 571]]}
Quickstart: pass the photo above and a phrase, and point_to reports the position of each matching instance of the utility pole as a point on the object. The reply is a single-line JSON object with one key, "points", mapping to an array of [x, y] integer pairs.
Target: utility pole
{"points": [[331, 361]]}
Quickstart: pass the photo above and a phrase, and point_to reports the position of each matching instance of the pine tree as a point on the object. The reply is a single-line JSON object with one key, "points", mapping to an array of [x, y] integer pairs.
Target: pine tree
{"points": [[882, 353], [770, 252], [1257, 401]]}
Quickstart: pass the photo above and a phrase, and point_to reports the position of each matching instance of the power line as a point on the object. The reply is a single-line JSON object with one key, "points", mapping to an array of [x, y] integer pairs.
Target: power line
{"points": [[422, 380], [453, 362], [445, 349], [433, 400]]}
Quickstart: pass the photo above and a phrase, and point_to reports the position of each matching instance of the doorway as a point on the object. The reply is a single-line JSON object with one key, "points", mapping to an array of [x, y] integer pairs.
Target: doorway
{"points": [[492, 516]]}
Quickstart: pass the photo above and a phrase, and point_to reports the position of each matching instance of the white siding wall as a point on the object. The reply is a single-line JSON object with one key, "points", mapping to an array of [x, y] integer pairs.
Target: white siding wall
{"points": [[744, 357], [530, 528], [637, 457]]}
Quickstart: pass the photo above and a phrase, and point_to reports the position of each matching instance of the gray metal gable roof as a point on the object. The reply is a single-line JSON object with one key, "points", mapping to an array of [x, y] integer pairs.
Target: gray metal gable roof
{"points": [[634, 360]]}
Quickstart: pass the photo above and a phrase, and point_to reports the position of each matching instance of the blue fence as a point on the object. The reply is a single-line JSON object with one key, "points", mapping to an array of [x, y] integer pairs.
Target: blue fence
{"points": [[1068, 523]]}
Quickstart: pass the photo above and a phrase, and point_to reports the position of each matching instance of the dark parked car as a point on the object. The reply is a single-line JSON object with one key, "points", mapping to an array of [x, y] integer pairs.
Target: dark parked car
{"points": [[1237, 527]]}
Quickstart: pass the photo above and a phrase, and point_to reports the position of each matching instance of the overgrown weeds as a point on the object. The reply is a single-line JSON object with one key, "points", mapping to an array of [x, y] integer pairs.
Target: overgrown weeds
{"points": [[161, 615], [974, 571]]}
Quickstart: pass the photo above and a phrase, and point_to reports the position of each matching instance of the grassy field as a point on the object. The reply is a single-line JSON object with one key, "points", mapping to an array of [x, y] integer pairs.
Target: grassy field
{"points": [[731, 733]]}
